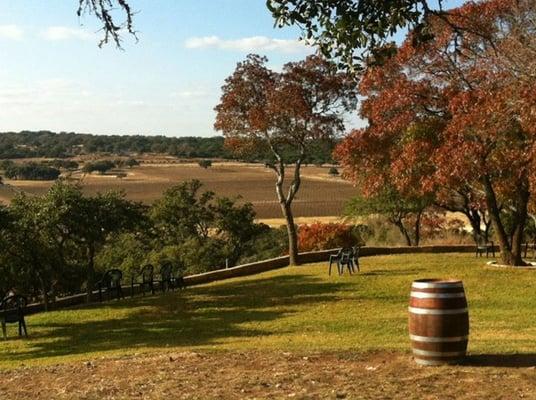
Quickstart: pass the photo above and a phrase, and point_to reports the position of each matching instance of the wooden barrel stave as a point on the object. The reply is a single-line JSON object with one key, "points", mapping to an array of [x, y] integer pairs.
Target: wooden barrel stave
{"points": [[438, 321]]}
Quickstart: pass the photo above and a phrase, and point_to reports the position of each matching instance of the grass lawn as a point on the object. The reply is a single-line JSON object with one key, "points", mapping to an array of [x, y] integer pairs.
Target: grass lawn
{"points": [[292, 309]]}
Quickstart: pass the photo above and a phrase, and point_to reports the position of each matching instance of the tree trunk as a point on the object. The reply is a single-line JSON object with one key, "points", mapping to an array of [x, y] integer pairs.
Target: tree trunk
{"points": [[418, 228], [474, 219], [45, 292], [461, 201], [292, 235], [400, 225], [521, 219], [90, 273], [511, 252], [285, 202], [487, 227]]}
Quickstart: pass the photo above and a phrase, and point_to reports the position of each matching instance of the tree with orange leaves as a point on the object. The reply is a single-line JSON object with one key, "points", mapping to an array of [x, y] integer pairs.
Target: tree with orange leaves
{"points": [[456, 116], [293, 109]]}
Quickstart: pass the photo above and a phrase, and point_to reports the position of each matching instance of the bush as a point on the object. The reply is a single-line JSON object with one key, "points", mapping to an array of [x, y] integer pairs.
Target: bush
{"points": [[364, 231], [380, 232], [100, 166], [195, 255], [271, 243], [333, 171], [126, 252], [5, 164], [131, 162], [32, 171], [205, 163], [65, 164], [319, 236]]}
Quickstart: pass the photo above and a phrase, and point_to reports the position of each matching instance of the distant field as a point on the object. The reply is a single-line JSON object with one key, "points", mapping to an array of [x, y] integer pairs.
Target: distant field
{"points": [[320, 195]]}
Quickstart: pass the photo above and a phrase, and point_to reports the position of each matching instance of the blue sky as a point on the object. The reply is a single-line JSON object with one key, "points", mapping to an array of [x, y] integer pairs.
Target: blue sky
{"points": [[53, 75]]}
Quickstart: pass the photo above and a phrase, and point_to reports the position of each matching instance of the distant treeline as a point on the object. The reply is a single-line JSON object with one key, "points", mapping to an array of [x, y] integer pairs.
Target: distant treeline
{"points": [[27, 144], [67, 144]]}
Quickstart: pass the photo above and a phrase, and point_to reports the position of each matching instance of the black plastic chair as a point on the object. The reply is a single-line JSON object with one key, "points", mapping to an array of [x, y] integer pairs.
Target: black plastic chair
{"points": [[166, 277], [346, 257], [179, 277], [171, 277], [485, 247], [334, 258], [355, 258], [12, 311], [530, 246], [111, 281], [147, 279], [346, 260]]}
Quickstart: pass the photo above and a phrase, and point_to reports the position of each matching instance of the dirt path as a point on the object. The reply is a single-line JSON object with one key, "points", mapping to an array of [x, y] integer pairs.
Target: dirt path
{"points": [[273, 375]]}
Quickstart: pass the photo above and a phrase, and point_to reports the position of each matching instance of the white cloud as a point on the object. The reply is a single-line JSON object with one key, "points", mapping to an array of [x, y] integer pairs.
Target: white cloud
{"points": [[42, 93], [247, 44], [130, 103], [55, 33], [189, 94], [11, 32]]}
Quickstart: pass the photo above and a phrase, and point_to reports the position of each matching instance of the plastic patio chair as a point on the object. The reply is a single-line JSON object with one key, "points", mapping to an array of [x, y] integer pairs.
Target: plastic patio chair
{"points": [[346, 260], [178, 277], [12, 311], [166, 277], [111, 282], [485, 247], [147, 279], [355, 258], [334, 258]]}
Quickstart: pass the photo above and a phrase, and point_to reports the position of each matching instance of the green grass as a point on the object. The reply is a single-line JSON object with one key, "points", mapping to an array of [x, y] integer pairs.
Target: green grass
{"points": [[297, 308]]}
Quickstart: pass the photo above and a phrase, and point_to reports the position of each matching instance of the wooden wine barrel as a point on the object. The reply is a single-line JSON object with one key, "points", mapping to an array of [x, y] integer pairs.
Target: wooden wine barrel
{"points": [[438, 321]]}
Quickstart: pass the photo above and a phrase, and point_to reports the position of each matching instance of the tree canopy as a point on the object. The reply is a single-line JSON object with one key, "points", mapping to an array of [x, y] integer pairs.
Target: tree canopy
{"points": [[355, 31], [454, 116], [303, 104]]}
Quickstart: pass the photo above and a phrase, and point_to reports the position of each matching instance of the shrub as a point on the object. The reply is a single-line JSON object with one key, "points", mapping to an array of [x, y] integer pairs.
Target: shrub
{"points": [[32, 171], [5, 164], [125, 251], [319, 236], [333, 171], [195, 255], [205, 163], [271, 243], [364, 231], [131, 162], [100, 166]]}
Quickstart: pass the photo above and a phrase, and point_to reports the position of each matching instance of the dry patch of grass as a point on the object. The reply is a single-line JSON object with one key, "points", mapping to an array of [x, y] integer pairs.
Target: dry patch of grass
{"points": [[271, 375], [277, 222]]}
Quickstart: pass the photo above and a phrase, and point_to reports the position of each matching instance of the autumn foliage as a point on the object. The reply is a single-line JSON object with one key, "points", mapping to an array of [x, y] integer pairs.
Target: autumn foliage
{"points": [[319, 236], [455, 116], [284, 113]]}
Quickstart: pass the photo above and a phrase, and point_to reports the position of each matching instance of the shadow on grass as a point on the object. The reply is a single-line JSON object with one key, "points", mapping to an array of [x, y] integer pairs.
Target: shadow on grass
{"points": [[196, 316], [501, 360], [392, 272]]}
